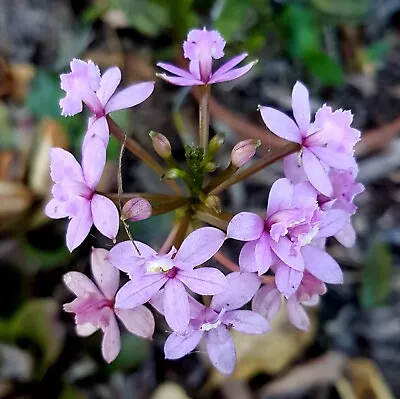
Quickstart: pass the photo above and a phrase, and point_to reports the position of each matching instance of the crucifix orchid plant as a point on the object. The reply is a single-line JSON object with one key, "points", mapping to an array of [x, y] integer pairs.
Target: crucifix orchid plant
{"points": [[283, 261]]}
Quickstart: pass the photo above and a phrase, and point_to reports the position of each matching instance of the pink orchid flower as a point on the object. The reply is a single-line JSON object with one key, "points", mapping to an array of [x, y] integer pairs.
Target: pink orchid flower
{"points": [[201, 48], [327, 143], [214, 322], [345, 189], [94, 306], [151, 271], [268, 299], [284, 238], [84, 84], [75, 194]]}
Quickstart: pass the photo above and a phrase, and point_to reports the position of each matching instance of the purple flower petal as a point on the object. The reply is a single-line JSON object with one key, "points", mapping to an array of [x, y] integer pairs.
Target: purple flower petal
{"points": [[246, 321], [138, 321], [280, 124], [263, 254], [321, 265], [267, 301], [293, 168], [204, 281], [85, 330], [247, 257], [232, 74], [316, 173], [245, 226], [346, 236], [64, 166], [241, 288], [175, 70], [129, 97], [227, 66], [136, 293], [287, 280], [104, 273], [301, 107], [297, 315], [334, 159], [221, 349], [180, 81], [93, 161], [177, 346], [200, 246], [125, 257], [98, 127], [111, 344], [80, 284], [105, 216], [332, 221], [80, 224], [283, 249], [176, 305], [108, 84], [280, 196], [56, 209]]}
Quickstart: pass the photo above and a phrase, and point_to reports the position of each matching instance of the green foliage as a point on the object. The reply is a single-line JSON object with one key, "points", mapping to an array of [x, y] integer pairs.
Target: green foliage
{"points": [[376, 275], [244, 21], [148, 17], [134, 351], [44, 96], [43, 102], [343, 9], [303, 32], [36, 321], [324, 67], [377, 50]]}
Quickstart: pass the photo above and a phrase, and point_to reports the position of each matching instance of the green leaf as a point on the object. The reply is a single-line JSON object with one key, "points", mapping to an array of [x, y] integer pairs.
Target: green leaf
{"points": [[134, 351], [378, 50], [354, 9], [325, 68], [302, 31], [148, 17], [232, 18], [44, 96], [376, 275], [37, 321]]}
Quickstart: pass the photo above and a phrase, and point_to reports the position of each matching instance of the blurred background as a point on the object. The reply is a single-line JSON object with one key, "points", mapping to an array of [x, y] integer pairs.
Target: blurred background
{"points": [[348, 54]]}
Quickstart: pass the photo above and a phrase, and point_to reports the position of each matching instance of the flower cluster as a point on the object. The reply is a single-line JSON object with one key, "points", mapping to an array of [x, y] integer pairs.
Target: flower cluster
{"points": [[314, 201]]}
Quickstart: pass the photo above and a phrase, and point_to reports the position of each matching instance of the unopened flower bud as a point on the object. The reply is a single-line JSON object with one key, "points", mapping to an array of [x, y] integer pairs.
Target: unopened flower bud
{"points": [[213, 202], [136, 209], [173, 173], [244, 151], [215, 144], [211, 167], [161, 145]]}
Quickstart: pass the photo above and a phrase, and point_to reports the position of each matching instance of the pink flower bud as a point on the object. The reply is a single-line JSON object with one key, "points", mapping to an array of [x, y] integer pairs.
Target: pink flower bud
{"points": [[243, 151], [161, 145], [136, 209]]}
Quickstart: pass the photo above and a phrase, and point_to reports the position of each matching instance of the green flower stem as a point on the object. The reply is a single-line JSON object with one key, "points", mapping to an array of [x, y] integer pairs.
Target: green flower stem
{"points": [[260, 164], [220, 178], [136, 149], [207, 215]]}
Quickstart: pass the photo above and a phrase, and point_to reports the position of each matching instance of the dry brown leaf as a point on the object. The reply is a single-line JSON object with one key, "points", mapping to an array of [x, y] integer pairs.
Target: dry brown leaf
{"points": [[269, 353], [15, 199], [325, 370], [22, 75], [51, 134], [169, 390], [365, 380], [7, 159]]}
